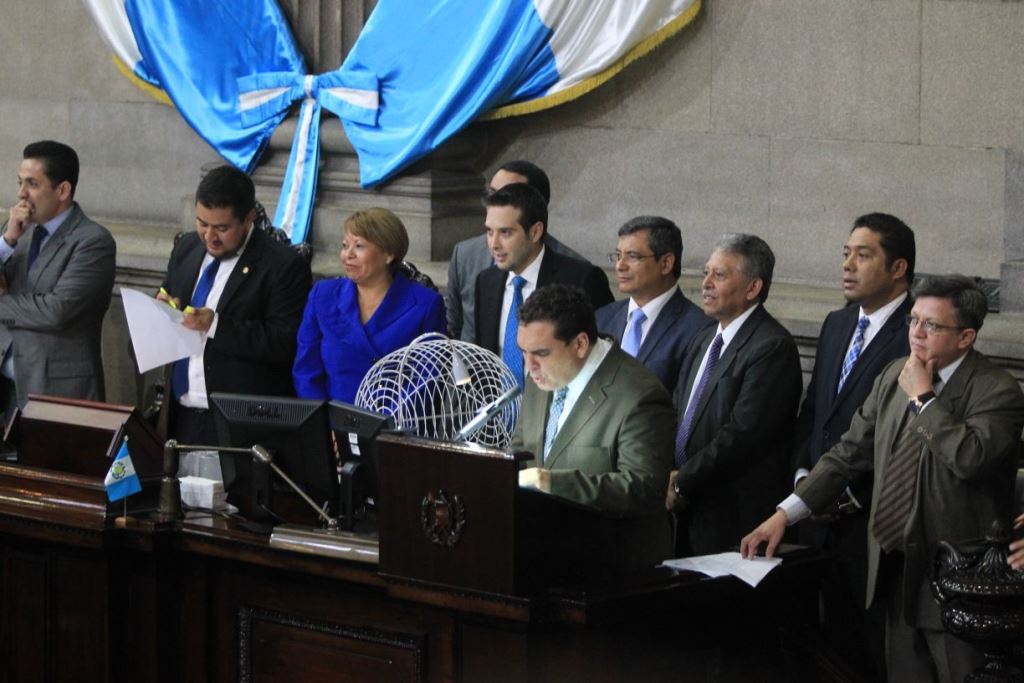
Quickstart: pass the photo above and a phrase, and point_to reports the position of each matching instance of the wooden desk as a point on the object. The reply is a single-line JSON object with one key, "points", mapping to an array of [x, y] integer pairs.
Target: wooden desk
{"points": [[206, 602]]}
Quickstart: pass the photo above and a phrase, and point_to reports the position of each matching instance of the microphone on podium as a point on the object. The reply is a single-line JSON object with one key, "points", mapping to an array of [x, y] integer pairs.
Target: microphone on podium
{"points": [[486, 413]]}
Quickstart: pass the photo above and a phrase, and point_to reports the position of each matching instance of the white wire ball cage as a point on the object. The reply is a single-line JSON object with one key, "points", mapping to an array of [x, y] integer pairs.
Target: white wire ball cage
{"points": [[435, 385]]}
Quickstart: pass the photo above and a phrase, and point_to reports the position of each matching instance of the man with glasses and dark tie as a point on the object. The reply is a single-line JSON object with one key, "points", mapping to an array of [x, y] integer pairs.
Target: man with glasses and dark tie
{"points": [[595, 420], [656, 323], [244, 292], [736, 399], [855, 344], [58, 273], [940, 431]]}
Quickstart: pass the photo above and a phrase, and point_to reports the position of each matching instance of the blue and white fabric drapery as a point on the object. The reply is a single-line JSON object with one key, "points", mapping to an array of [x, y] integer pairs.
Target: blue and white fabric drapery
{"points": [[419, 72]]}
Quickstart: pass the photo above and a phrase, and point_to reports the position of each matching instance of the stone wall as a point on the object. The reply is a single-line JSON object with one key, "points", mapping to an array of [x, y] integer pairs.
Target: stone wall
{"points": [[788, 118]]}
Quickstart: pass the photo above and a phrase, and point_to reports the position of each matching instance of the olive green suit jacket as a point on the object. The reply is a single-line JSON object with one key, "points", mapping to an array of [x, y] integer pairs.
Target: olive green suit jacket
{"points": [[613, 453], [970, 441]]}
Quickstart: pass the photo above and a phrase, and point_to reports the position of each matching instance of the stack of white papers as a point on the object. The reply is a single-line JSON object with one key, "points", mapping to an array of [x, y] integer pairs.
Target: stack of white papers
{"points": [[198, 492], [750, 571]]}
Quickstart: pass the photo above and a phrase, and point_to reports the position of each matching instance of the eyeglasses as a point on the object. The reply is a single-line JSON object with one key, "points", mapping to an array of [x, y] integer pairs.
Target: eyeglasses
{"points": [[930, 326], [630, 256]]}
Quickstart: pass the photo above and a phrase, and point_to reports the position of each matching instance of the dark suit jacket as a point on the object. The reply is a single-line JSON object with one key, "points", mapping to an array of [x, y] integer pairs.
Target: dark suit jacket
{"points": [[970, 442], [258, 314], [53, 313], [825, 415], [336, 349], [664, 347], [739, 449], [555, 268], [613, 453]]}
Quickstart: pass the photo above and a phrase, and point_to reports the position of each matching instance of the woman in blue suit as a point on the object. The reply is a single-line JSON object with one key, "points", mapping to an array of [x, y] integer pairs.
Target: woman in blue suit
{"points": [[350, 323]]}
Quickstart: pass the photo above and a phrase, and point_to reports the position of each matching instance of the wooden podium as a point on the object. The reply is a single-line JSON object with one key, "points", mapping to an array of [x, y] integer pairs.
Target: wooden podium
{"points": [[65, 447], [454, 515]]}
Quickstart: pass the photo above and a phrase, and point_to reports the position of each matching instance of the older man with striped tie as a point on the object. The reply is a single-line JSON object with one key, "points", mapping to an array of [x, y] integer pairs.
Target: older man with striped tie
{"points": [[940, 430]]}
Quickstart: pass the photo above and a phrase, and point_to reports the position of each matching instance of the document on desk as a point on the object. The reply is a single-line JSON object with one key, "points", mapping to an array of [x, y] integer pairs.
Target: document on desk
{"points": [[158, 336], [750, 571]]}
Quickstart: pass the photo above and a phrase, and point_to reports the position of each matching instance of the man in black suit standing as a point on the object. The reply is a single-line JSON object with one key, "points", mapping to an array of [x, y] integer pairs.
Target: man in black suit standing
{"points": [[656, 323], [855, 344], [517, 217], [244, 292], [470, 256], [736, 399]]}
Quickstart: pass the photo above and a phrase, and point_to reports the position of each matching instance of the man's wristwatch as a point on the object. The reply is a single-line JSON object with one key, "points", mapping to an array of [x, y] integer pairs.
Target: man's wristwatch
{"points": [[918, 402]]}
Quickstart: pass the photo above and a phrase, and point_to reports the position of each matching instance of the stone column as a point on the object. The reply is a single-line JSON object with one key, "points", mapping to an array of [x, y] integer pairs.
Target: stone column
{"points": [[1011, 285]]}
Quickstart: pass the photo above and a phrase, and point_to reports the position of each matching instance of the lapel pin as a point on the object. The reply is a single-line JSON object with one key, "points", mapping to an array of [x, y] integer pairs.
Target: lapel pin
{"points": [[245, 270]]}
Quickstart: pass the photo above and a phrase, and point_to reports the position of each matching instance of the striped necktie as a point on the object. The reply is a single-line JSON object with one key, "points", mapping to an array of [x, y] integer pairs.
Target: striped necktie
{"points": [[898, 483], [854, 353], [557, 404]]}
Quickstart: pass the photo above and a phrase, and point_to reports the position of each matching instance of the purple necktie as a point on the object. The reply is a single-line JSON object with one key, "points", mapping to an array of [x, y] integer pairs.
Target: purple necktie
{"points": [[684, 428]]}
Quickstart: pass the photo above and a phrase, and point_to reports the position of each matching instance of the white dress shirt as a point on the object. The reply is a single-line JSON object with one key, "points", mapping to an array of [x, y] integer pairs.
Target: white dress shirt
{"points": [[196, 397]]}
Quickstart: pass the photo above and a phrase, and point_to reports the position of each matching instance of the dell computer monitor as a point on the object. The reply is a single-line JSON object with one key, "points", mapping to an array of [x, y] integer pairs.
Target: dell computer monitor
{"points": [[295, 432], [355, 430]]}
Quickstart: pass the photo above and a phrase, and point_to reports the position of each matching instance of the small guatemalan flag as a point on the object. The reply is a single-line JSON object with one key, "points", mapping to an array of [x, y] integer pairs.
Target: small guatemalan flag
{"points": [[121, 481]]}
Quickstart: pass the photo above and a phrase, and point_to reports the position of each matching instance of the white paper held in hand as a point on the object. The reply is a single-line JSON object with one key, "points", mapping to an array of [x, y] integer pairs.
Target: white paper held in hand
{"points": [[158, 336]]}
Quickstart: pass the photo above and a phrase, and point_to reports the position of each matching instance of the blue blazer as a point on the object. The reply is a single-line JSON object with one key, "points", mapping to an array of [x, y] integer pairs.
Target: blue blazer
{"points": [[666, 343], [336, 350]]}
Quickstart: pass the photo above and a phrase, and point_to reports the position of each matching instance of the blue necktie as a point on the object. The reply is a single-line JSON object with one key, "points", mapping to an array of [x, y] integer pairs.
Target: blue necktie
{"points": [[556, 412], [510, 352], [687, 424], [179, 373], [634, 333], [38, 235], [854, 354]]}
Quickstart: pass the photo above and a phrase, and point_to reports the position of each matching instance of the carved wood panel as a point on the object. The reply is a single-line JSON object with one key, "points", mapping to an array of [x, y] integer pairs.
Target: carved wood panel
{"points": [[274, 646]]}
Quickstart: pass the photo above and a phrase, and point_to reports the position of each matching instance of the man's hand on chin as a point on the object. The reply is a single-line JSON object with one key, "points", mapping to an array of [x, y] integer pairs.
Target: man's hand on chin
{"points": [[916, 376], [535, 478]]}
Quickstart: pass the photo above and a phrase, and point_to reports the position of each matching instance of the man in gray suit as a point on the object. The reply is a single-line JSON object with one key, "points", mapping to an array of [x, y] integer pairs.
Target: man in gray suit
{"points": [[595, 419], [58, 271], [940, 431], [470, 256]]}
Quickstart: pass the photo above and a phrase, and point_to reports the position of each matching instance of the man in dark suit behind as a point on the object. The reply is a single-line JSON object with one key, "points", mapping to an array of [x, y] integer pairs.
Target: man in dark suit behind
{"points": [[736, 399], [516, 223], [855, 344], [595, 419], [656, 323], [471, 255], [58, 281], [244, 292], [943, 452]]}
